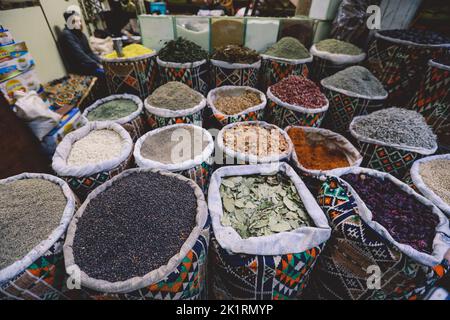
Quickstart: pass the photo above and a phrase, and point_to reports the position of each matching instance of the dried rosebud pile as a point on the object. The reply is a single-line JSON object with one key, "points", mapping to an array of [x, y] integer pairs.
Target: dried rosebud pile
{"points": [[255, 140], [407, 220], [299, 91]]}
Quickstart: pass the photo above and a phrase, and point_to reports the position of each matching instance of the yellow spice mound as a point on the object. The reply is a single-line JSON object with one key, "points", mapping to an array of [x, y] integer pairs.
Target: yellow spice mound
{"points": [[130, 51]]}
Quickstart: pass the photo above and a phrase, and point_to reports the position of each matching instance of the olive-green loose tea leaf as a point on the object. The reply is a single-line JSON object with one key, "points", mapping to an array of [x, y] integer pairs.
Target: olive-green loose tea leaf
{"points": [[257, 206]]}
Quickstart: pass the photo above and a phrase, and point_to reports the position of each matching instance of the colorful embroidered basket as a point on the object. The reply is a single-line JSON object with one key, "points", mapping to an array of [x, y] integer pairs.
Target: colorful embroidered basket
{"points": [[395, 159], [84, 179], [40, 275], [253, 113], [284, 114], [432, 99], [136, 76], [194, 75], [345, 105], [275, 69], [182, 278], [263, 268], [358, 246], [134, 123], [400, 65], [159, 117], [235, 74], [198, 169]]}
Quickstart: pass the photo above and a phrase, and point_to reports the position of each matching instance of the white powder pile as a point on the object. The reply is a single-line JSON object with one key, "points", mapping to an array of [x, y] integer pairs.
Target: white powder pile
{"points": [[96, 147]]}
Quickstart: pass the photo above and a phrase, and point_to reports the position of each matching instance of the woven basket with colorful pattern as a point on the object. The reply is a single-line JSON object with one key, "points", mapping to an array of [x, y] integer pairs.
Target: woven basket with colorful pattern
{"points": [[235, 74]]}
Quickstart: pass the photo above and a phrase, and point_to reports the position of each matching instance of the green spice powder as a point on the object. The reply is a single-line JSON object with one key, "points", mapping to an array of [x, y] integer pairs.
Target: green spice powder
{"points": [[356, 79], [338, 47], [288, 48], [174, 96], [113, 110]]}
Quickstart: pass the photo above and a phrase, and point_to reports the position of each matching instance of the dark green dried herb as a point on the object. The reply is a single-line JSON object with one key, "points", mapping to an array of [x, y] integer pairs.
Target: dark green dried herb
{"points": [[182, 51]]}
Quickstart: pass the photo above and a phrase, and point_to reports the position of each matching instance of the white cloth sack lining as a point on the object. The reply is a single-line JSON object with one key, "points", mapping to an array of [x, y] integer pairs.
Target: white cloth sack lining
{"points": [[186, 65], [166, 113], [423, 188], [285, 60], [19, 266], [298, 240], [153, 276], [352, 154], [337, 58], [440, 243], [123, 120], [59, 163], [228, 65], [205, 156]]}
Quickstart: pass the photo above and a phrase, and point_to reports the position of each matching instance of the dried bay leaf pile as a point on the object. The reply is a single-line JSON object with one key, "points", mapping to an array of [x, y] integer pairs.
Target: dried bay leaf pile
{"points": [[258, 206]]}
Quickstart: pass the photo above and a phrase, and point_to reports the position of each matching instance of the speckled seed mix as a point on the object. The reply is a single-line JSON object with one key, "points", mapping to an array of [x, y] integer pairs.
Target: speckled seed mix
{"points": [[416, 36], [134, 227], [299, 91], [30, 209], [255, 140], [95, 147], [234, 104], [436, 176], [407, 220]]}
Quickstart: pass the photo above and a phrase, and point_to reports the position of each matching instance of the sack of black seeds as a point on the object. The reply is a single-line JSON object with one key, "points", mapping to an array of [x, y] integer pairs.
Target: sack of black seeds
{"points": [[431, 98], [35, 211], [391, 139], [399, 58], [252, 142], [275, 69], [142, 235], [331, 56], [235, 74], [265, 223], [430, 176], [194, 74], [124, 109], [91, 155], [172, 103], [387, 241], [231, 104], [182, 148]]}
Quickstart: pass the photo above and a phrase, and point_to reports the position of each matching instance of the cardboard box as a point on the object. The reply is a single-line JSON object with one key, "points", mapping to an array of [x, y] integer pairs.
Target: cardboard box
{"points": [[25, 82], [69, 122], [13, 51], [16, 66]]}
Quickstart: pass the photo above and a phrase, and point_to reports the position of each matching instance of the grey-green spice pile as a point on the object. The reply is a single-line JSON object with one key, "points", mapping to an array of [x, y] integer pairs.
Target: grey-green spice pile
{"points": [[113, 110], [356, 79], [174, 145], [338, 47], [258, 206], [396, 126], [30, 209], [174, 96], [288, 48]]}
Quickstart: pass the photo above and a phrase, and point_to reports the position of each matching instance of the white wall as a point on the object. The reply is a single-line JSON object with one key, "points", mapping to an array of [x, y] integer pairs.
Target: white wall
{"points": [[29, 25]]}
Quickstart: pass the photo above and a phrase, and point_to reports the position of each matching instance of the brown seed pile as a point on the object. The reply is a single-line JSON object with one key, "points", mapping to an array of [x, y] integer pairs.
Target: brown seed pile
{"points": [[255, 140], [230, 105]]}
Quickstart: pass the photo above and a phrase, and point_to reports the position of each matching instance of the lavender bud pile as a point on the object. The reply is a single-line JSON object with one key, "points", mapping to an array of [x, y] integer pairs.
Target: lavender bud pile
{"points": [[396, 126], [407, 220], [134, 227]]}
